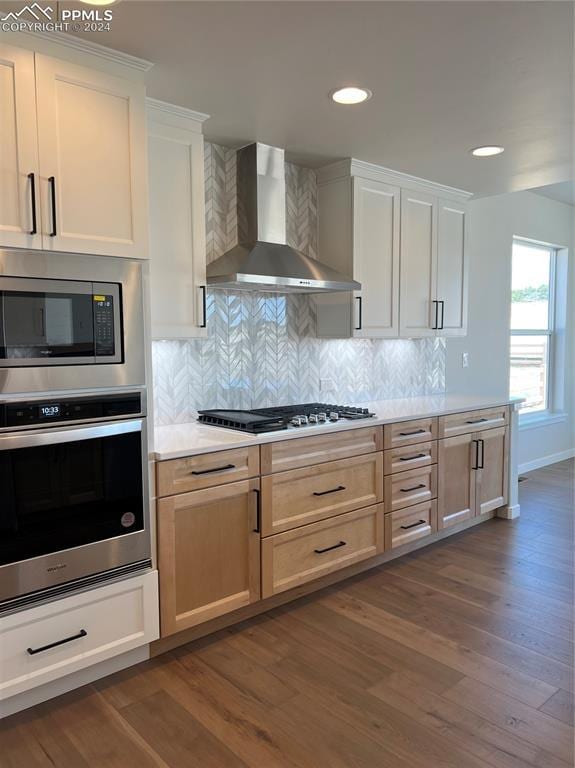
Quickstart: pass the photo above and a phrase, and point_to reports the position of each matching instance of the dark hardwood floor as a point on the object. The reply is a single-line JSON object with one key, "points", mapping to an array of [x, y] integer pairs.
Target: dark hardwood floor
{"points": [[457, 656]]}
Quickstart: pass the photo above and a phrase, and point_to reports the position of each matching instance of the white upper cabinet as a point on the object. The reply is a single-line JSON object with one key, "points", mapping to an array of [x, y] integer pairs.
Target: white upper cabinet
{"points": [[359, 236], [74, 173], [403, 239], [19, 203], [92, 146], [177, 222], [452, 270], [418, 264]]}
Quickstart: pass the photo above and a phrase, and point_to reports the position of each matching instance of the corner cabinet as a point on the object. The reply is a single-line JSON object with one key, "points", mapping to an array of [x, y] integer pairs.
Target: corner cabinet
{"points": [[177, 222], [404, 239], [74, 139]]}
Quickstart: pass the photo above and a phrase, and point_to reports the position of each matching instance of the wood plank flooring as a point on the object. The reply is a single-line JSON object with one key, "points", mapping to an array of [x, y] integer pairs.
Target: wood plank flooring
{"points": [[458, 656]]}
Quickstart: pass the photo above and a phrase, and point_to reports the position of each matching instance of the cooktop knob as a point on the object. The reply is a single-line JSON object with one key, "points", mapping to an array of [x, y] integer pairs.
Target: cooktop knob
{"points": [[334, 416], [322, 417]]}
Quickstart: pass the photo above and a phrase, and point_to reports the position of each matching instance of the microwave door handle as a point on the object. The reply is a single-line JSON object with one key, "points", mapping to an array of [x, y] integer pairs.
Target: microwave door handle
{"points": [[54, 436]]}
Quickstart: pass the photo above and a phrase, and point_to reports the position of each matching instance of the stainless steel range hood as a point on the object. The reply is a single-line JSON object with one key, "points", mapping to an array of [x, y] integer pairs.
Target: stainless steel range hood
{"points": [[262, 260]]}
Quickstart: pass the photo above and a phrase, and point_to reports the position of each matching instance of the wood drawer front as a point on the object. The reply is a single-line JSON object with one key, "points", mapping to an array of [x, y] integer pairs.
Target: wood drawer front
{"points": [[409, 457], [412, 487], [296, 557], [405, 526], [302, 496], [206, 470], [471, 421], [116, 618], [409, 432], [303, 451]]}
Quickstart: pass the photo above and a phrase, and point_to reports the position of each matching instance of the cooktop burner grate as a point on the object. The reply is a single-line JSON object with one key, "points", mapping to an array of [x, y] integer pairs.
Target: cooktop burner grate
{"points": [[271, 419]]}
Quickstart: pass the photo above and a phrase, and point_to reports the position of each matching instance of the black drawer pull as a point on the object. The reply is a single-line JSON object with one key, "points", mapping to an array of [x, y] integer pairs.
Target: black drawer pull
{"points": [[331, 490], [328, 549], [214, 469], [33, 651], [413, 525], [413, 432], [413, 488], [476, 421], [413, 458]]}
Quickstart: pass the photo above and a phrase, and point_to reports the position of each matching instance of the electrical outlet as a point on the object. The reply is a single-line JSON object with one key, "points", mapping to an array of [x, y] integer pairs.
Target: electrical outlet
{"points": [[326, 385], [465, 359]]}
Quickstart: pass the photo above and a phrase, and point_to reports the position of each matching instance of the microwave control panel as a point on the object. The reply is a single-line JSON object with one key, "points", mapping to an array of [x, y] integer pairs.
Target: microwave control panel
{"points": [[104, 333]]}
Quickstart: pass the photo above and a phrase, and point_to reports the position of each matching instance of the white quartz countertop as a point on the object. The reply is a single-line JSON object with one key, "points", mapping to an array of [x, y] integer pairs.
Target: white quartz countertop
{"points": [[177, 440]]}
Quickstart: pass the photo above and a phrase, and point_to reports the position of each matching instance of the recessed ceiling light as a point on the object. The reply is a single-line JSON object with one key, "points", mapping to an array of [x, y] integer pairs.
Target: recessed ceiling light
{"points": [[350, 95], [99, 2], [487, 151]]}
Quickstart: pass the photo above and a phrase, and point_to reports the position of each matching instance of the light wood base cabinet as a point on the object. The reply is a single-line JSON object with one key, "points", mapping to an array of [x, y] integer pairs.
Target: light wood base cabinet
{"points": [[405, 526], [209, 553], [472, 475]]}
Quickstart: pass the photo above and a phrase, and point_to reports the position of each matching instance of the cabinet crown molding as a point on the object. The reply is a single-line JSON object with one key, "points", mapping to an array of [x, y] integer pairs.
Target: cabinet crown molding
{"points": [[352, 167], [64, 40], [157, 108]]}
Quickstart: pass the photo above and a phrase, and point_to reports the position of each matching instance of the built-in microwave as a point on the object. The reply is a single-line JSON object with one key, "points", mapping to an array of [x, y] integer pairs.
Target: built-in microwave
{"points": [[48, 322]]}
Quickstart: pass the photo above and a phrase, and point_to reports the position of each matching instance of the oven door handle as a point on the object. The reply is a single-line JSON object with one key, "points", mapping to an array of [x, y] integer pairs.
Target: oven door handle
{"points": [[34, 438]]}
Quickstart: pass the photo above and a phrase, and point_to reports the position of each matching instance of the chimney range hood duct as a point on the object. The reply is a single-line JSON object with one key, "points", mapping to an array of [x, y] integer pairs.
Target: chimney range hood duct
{"points": [[262, 260]]}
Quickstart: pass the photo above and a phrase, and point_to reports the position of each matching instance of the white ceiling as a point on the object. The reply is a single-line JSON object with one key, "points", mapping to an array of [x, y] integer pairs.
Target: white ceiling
{"points": [[564, 192], [445, 76]]}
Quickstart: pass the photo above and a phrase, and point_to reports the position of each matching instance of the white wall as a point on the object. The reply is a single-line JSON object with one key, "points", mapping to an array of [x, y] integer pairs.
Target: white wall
{"points": [[493, 222]]}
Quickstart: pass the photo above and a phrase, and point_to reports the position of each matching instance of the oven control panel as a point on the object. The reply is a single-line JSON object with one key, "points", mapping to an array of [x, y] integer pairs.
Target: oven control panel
{"points": [[35, 413]]}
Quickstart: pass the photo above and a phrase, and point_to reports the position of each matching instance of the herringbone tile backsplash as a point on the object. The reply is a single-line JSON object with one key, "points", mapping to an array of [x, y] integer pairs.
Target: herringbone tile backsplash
{"points": [[261, 348]]}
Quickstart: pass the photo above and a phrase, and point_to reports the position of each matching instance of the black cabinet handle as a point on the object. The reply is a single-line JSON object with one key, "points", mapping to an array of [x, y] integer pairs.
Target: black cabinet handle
{"points": [[412, 458], [482, 465], [214, 469], [440, 327], [476, 421], [34, 651], [413, 432], [435, 325], [52, 183], [413, 488], [476, 463], [328, 549], [359, 325], [258, 527], [332, 490], [32, 179], [413, 525], [204, 322]]}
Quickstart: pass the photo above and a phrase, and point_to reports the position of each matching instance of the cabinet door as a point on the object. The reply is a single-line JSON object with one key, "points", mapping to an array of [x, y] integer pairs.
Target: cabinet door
{"points": [[18, 142], [491, 489], [456, 480], [208, 554], [451, 269], [376, 211], [92, 148], [417, 308], [177, 232]]}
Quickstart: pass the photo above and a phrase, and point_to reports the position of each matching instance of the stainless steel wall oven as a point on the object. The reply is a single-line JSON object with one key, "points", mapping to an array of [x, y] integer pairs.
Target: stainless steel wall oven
{"points": [[74, 500]]}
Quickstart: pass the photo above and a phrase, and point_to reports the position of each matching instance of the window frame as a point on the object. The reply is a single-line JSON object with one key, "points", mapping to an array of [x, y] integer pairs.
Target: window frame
{"points": [[546, 413]]}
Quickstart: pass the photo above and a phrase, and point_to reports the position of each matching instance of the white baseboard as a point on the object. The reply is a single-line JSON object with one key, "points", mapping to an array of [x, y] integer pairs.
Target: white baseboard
{"points": [[509, 513], [76, 680], [544, 461]]}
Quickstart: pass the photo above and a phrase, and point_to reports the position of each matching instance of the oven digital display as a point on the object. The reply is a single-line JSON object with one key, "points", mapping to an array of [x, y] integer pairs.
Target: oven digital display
{"points": [[49, 411]]}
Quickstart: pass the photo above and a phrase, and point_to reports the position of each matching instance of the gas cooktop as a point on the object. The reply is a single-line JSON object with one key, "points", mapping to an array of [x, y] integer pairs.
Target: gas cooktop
{"points": [[283, 417]]}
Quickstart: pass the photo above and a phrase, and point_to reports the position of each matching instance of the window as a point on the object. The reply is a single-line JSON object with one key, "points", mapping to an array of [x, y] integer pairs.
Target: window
{"points": [[532, 324]]}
